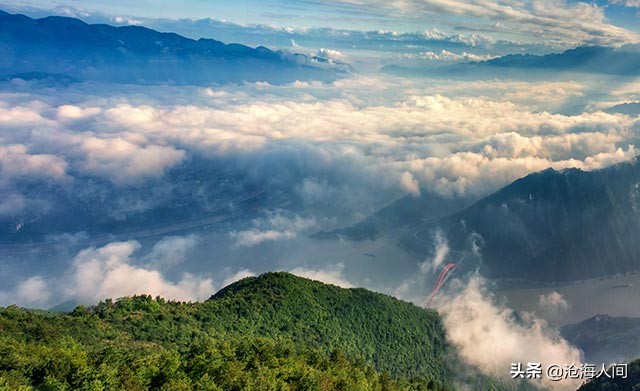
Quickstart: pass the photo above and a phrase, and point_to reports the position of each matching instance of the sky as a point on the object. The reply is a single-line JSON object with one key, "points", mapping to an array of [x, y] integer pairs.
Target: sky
{"points": [[556, 22], [111, 189], [327, 154]]}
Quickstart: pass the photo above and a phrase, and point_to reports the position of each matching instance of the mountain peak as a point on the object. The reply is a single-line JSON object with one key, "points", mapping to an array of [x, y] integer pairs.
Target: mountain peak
{"points": [[137, 54], [62, 21], [541, 228], [311, 310], [271, 280]]}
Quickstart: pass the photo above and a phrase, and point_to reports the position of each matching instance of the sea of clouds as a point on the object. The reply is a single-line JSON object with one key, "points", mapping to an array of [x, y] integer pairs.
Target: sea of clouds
{"points": [[340, 150]]}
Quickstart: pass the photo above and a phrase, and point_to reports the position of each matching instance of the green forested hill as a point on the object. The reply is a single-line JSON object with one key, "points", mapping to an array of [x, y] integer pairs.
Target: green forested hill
{"points": [[273, 332], [276, 331], [396, 336]]}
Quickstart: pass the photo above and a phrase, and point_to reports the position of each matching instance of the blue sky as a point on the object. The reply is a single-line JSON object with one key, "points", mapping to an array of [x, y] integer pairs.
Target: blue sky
{"points": [[559, 22], [306, 13]]}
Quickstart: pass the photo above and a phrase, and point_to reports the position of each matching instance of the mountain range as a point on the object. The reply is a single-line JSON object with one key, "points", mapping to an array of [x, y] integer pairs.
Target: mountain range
{"points": [[623, 60], [135, 54], [606, 339], [619, 61], [405, 212], [548, 226], [629, 108]]}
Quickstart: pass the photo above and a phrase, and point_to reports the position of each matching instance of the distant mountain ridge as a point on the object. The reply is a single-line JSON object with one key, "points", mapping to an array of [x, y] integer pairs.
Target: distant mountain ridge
{"points": [[549, 226], [621, 61], [605, 338], [135, 54], [624, 60], [405, 212], [629, 108]]}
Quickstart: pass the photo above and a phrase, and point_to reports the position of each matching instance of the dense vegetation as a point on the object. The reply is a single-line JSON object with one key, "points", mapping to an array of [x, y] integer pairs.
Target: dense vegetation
{"points": [[631, 383], [396, 336], [276, 331], [273, 332]]}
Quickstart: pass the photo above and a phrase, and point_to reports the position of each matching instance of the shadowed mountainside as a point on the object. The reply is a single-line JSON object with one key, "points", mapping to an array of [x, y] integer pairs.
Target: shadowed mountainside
{"points": [[550, 226], [606, 339], [135, 54]]}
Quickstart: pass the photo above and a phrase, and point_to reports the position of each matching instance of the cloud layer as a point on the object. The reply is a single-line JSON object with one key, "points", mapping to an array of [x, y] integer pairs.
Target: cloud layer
{"points": [[547, 20], [491, 337], [450, 141]]}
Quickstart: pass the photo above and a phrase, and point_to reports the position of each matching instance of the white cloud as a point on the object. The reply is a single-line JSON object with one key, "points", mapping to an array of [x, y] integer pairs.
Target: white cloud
{"points": [[488, 334], [328, 275], [126, 20], [382, 132], [553, 21], [109, 271], [31, 293], [239, 275], [414, 288], [22, 116], [170, 251], [114, 271], [17, 162], [448, 56], [627, 3], [331, 54], [71, 112], [275, 226], [475, 173], [409, 184], [124, 162], [254, 237], [433, 121], [553, 301], [491, 338]]}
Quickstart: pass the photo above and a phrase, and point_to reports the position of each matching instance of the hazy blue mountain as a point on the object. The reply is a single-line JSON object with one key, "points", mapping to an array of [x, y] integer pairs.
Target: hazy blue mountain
{"points": [[137, 54], [631, 108], [605, 338], [623, 61], [401, 214], [549, 226], [42, 78]]}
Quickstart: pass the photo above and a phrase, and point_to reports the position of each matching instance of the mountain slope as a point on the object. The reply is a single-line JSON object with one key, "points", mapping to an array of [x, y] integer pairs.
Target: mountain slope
{"points": [[85, 353], [603, 383], [275, 331], [622, 61], [549, 226], [361, 326], [394, 335], [605, 338], [62, 45], [631, 108], [401, 214]]}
